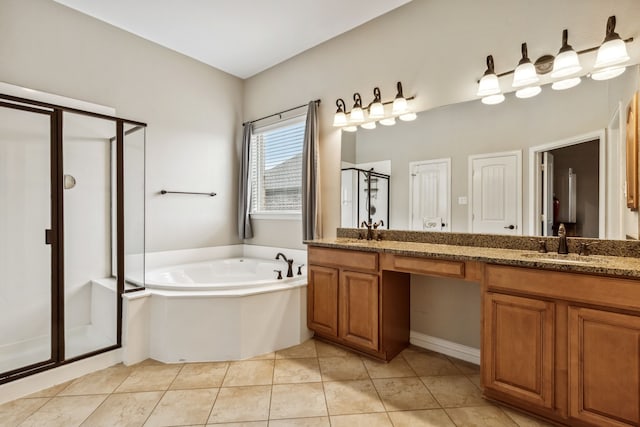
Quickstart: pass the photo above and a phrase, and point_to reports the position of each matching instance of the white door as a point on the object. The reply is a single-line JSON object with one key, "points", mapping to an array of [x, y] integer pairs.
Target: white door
{"points": [[547, 193], [430, 195], [496, 193]]}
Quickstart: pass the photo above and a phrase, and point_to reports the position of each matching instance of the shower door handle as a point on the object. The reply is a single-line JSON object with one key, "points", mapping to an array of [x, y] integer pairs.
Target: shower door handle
{"points": [[47, 236]]}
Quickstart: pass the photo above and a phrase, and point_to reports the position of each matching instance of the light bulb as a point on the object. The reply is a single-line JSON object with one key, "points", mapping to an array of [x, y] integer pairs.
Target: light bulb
{"points": [[525, 73], [399, 106], [566, 83], [608, 72], [340, 119], [376, 110], [356, 115], [408, 117], [528, 92], [493, 99], [389, 121], [566, 62], [368, 125]]}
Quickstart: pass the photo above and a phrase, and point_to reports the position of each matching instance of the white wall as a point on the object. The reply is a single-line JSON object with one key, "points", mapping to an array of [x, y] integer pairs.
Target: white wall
{"points": [[193, 111]]}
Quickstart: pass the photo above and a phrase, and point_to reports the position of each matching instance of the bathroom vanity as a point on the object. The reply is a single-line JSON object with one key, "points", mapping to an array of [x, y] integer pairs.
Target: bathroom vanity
{"points": [[560, 335]]}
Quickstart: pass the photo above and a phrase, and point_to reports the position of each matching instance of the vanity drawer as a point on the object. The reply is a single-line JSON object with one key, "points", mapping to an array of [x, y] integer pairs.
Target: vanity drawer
{"points": [[426, 266], [343, 258]]}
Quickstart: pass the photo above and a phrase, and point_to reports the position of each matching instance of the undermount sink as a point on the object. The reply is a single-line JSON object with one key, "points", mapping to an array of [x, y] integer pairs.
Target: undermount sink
{"points": [[565, 258]]}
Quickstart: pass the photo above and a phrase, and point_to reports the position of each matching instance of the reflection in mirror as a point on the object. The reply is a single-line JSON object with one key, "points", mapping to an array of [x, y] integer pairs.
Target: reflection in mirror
{"points": [[557, 120]]}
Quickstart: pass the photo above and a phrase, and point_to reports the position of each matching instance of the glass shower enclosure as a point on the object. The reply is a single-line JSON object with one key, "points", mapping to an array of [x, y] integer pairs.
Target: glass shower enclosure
{"points": [[71, 232]]}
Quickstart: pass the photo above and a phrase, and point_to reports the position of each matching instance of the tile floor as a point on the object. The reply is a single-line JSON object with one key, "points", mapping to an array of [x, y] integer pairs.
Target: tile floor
{"points": [[313, 384]]}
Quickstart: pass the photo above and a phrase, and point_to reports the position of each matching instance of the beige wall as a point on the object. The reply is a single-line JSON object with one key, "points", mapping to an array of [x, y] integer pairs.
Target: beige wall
{"points": [[193, 111], [437, 48]]}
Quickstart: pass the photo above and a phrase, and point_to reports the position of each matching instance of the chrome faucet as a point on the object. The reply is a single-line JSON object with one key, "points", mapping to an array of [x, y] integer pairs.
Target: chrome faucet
{"points": [[289, 263], [562, 240]]}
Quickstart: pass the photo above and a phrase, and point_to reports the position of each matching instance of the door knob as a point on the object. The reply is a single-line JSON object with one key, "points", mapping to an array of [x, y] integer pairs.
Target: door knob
{"points": [[510, 227]]}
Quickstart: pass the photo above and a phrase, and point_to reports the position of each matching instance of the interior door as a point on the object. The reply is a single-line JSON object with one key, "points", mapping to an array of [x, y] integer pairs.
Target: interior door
{"points": [[496, 194], [431, 195], [28, 322], [547, 196]]}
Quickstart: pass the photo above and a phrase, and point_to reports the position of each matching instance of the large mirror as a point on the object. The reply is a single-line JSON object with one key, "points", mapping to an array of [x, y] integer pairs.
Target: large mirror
{"points": [[520, 167]]}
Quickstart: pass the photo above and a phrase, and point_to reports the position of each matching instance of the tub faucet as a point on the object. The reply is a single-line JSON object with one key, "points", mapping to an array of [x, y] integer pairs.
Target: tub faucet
{"points": [[562, 240], [289, 263]]}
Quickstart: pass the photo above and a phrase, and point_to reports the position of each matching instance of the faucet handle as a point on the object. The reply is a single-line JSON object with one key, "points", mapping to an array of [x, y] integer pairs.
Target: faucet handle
{"points": [[300, 269], [279, 274], [584, 247]]}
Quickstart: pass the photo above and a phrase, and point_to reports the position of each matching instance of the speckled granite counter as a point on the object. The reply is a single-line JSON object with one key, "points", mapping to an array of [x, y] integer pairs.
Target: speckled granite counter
{"points": [[594, 264]]}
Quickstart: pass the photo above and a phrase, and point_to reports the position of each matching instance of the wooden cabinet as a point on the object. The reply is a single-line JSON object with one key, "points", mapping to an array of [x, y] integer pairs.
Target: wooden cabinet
{"points": [[352, 303], [604, 376], [519, 347], [562, 345], [322, 300]]}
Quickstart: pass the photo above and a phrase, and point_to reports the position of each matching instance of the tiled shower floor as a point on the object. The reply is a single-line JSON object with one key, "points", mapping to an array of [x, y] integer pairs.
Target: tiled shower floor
{"points": [[313, 384]]}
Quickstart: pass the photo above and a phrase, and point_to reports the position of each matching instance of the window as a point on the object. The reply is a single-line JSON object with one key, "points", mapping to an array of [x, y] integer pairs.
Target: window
{"points": [[276, 167]]}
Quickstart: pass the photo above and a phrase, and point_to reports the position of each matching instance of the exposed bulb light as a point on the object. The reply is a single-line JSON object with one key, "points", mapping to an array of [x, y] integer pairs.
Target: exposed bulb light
{"points": [[566, 62], [408, 117], [528, 92], [489, 84], [493, 99], [608, 72], [368, 125], [525, 73], [376, 109], [566, 83], [613, 50], [357, 115], [389, 121], [350, 128], [399, 103], [340, 118]]}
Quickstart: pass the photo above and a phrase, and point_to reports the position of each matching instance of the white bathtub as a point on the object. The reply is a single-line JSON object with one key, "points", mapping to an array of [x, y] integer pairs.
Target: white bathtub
{"points": [[232, 274], [205, 309]]}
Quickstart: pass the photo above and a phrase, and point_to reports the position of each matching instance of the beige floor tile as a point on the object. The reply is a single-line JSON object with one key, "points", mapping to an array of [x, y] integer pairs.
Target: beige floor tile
{"points": [[465, 367], [100, 382], [524, 420], [327, 350], [454, 391], [475, 379], [266, 356], [149, 378], [124, 410], [183, 407], [66, 411], [361, 420], [297, 401], [399, 394], [396, 368], [249, 372], [342, 368], [427, 418], [14, 412], [428, 363], [51, 391], [296, 371], [306, 349], [236, 404], [480, 416], [352, 397], [247, 424], [148, 362], [301, 422], [200, 375]]}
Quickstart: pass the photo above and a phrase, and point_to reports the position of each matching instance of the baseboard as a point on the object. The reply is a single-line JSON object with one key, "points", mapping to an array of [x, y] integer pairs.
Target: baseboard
{"points": [[449, 348]]}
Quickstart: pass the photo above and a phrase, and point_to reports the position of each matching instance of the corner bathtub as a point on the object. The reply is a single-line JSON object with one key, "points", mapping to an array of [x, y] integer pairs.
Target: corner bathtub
{"points": [[218, 309]]}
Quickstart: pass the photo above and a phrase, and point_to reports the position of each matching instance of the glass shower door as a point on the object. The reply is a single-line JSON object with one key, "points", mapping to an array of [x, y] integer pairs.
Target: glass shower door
{"points": [[27, 328]]}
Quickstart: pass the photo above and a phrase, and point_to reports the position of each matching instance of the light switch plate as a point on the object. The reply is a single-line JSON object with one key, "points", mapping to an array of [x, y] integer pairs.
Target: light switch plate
{"points": [[462, 200]]}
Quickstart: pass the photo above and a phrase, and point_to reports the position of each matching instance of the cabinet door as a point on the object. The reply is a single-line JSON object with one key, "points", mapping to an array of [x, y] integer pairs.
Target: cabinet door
{"points": [[519, 347], [322, 300], [604, 377], [359, 296]]}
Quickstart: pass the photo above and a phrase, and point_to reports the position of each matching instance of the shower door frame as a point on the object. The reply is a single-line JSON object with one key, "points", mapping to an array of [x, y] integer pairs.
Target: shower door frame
{"points": [[55, 236]]}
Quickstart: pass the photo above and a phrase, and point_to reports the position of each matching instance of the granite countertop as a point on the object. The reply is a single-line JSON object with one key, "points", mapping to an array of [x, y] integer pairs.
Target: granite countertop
{"points": [[596, 264]]}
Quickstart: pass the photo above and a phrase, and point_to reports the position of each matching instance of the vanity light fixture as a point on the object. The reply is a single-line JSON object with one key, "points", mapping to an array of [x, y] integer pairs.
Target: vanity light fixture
{"points": [[376, 109], [399, 103], [357, 115], [489, 86], [350, 120], [340, 118], [565, 69]]}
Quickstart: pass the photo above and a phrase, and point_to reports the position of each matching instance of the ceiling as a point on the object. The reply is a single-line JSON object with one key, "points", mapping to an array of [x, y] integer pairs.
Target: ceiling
{"points": [[241, 37]]}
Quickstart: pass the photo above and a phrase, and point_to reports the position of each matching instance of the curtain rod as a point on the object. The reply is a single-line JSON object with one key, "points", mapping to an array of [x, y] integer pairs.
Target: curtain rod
{"points": [[317, 101]]}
